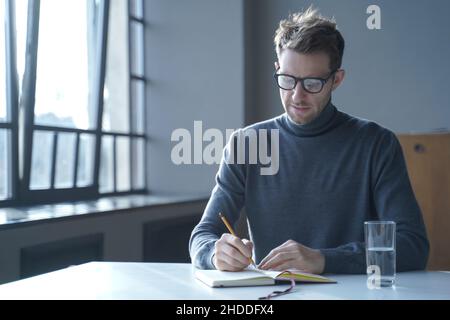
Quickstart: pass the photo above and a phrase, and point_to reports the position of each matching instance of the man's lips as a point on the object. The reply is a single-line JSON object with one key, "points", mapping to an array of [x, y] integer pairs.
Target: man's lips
{"points": [[300, 111], [301, 108]]}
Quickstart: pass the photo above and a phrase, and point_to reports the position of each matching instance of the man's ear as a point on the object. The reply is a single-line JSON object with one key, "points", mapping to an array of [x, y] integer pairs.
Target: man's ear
{"points": [[338, 78], [277, 65]]}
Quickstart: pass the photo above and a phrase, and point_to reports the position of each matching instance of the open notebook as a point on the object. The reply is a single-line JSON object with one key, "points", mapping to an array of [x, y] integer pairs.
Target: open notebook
{"points": [[254, 277]]}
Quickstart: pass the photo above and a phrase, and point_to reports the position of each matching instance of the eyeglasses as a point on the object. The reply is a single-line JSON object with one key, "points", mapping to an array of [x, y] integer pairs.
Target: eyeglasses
{"points": [[310, 84]]}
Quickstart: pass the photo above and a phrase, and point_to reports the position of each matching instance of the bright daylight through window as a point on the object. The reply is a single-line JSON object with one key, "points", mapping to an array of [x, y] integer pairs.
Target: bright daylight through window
{"points": [[82, 109]]}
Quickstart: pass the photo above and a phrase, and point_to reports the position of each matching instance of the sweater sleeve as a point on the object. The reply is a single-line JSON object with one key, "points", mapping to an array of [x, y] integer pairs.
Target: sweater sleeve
{"points": [[394, 200], [227, 197]]}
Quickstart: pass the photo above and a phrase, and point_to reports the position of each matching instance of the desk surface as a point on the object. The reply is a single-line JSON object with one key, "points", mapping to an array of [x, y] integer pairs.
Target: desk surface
{"points": [[175, 281]]}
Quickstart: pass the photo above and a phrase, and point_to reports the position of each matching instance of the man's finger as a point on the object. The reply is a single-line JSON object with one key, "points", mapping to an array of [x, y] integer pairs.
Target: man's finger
{"points": [[272, 254], [239, 245], [228, 264], [269, 256], [278, 259], [264, 261], [234, 253], [248, 243], [231, 256], [289, 245]]}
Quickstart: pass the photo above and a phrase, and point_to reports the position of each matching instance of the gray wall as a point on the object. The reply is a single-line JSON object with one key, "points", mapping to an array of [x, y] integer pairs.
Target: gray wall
{"points": [[194, 61], [396, 76], [212, 60]]}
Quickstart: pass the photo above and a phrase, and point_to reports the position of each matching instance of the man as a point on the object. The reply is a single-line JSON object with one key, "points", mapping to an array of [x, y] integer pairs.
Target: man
{"points": [[335, 172]]}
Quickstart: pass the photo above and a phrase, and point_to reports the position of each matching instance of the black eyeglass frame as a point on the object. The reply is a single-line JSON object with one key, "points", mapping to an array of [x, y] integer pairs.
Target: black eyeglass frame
{"points": [[302, 80]]}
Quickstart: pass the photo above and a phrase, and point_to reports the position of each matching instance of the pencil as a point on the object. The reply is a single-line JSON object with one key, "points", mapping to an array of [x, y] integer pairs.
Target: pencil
{"points": [[230, 229]]}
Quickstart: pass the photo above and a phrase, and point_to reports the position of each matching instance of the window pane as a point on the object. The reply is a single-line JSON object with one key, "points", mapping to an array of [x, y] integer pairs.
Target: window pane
{"points": [[138, 103], [5, 153], [86, 160], [123, 164], [65, 160], [137, 48], [21, 32], [116, 95], [64, 64], [138, 152], [137, 9], [2, 64], [41, 163], [106, 179]]}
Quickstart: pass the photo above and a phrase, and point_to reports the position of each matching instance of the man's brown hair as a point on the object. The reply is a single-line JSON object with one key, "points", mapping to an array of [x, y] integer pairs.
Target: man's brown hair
{"points": [[309, 32]]}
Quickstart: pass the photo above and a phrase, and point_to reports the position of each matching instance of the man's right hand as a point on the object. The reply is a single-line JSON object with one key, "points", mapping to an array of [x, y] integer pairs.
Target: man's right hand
{"points": [[231, 253]]}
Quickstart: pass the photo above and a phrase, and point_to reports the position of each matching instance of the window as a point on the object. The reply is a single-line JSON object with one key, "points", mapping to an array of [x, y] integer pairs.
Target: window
{"points": [[4, 152], [64, 104], [123, 139], [65, 64], [4, 164], [8, 105], [80, 133], [3, 67]]}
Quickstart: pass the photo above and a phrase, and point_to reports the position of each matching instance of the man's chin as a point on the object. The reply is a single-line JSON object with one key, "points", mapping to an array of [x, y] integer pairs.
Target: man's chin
{"points": [[301, 115], [298, 120]]}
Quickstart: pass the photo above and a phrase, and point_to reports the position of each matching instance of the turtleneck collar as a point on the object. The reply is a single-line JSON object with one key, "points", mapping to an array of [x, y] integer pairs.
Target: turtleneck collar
{"points": [[324, 122]]}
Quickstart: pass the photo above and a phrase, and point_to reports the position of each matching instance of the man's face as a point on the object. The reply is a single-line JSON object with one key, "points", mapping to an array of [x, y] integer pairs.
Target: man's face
{"points": [[302, 106]]}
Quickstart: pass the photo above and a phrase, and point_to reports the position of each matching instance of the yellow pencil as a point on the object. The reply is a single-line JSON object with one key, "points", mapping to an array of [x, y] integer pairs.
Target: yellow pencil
{"points": [[230, 229]]}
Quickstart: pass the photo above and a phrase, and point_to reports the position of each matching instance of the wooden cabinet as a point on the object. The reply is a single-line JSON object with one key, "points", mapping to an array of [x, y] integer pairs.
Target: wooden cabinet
{"points": [[428, 161]]}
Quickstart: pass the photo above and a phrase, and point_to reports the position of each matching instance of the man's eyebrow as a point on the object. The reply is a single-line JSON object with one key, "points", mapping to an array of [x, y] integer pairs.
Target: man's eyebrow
{"points": [[316, 75]]}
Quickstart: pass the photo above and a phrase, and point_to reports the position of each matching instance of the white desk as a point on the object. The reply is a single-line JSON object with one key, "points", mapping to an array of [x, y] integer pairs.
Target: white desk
{"points": [[175, 281]]}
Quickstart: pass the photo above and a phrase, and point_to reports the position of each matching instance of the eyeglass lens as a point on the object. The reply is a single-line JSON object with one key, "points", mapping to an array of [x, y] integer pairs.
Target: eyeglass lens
{"points": [[289, 83]]}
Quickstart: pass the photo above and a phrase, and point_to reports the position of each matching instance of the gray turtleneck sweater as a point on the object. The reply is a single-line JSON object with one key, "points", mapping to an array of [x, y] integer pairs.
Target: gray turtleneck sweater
{"points": [[334, 173]]}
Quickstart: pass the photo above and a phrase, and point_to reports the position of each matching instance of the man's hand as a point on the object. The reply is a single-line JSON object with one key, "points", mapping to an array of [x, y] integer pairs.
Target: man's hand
{"points": [[293, 255], [231, 253]]}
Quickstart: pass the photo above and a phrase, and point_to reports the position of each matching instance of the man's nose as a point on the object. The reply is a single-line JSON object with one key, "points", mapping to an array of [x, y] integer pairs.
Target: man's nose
{"points": [[298, 92]]}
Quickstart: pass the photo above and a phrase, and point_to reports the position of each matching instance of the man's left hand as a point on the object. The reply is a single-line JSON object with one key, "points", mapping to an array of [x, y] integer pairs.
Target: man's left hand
{"points": [[293, 255]]}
